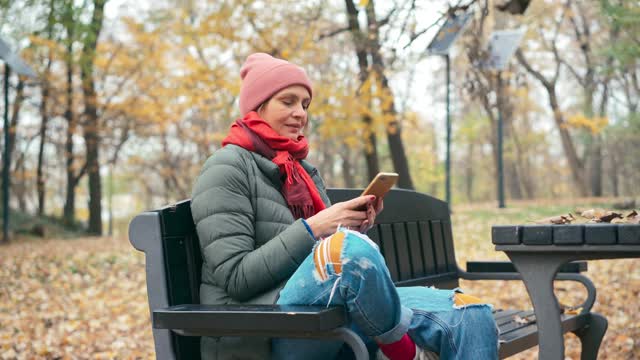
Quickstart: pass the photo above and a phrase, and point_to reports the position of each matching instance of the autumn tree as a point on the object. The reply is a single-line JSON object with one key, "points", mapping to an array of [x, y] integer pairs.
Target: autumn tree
{"points": [[372, 67], [572, 22]]}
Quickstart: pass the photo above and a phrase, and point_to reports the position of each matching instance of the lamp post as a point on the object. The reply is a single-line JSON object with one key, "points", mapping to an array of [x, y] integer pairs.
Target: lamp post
{"points": [[11, 62], [502, 45], [440, 45]]}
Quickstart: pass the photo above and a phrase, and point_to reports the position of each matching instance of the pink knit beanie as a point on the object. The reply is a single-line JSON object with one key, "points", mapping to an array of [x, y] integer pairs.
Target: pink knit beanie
{"points": [[263, 75]]}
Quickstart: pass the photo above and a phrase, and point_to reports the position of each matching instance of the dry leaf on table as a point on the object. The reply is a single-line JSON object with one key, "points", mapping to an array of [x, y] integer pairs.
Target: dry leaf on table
{"points": [[600, 215], [560, 219]]}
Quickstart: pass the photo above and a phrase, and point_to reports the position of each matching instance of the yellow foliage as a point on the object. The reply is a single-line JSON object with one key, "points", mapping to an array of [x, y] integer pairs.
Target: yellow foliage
{"points": [[593, 124]]}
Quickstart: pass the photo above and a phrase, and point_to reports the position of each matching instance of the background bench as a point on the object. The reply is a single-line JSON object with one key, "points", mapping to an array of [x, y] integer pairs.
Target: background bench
{"points": [[415, 236]]}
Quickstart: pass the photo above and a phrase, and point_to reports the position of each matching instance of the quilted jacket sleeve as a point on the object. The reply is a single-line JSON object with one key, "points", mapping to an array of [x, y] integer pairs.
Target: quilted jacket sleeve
{"points": [[223, 214]]}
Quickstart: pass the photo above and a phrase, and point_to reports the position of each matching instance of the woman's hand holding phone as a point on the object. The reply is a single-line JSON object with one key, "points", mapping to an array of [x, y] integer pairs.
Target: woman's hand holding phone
{"points": [[358, 213]]}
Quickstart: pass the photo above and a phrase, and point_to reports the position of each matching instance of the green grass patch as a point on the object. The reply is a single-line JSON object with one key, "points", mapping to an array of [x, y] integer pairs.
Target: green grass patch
{"points": [[27, 226]]}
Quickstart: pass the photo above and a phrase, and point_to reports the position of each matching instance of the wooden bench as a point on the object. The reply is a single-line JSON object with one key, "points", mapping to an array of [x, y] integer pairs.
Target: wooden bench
{"points": [[415, 236]]}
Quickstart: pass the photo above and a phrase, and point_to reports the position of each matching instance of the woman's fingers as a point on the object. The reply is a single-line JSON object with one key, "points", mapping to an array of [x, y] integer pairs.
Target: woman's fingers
{"points": [[365, 226], [379, 205], [357, 216], [371, 214], [359, 202]]}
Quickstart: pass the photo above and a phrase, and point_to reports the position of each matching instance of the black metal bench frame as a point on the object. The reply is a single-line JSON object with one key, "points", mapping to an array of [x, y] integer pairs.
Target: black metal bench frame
{"points": [[415, 236]]}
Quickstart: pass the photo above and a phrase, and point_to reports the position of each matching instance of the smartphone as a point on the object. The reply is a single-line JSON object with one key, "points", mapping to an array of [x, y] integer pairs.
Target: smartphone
{"points": [[381, 184]]}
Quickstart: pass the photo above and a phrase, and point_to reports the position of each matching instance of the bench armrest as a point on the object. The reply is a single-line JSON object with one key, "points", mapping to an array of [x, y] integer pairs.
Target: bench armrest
{"points": [[245, 320], [292, 321], [507, 266], [504, 270]]}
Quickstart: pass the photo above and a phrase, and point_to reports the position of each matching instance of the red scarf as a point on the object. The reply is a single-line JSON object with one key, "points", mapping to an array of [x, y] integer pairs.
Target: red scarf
{"points": [[299, 191]]}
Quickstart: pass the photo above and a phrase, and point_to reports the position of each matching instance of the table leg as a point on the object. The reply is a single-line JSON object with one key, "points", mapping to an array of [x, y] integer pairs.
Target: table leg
{"points": [[538, 273]]}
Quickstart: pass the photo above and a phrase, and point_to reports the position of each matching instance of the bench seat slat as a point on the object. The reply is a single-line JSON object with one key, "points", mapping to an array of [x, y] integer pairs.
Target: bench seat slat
{"points": [[526, 337], [503, 314], [511, 317], [528, 318]]}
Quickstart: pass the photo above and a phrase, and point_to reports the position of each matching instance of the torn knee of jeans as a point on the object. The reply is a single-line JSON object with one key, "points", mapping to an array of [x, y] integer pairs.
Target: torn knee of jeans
{"points": [[356, 273], [365, 264], [327, 256], [461, 300]]}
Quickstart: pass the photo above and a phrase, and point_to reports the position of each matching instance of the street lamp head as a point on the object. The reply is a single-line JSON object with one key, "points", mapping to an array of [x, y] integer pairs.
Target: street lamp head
{"points": [[14, 61], [515, 7]]}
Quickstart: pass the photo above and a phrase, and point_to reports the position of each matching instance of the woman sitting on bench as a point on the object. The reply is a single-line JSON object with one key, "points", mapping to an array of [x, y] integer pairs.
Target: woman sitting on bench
{"points": [[269, 235]]}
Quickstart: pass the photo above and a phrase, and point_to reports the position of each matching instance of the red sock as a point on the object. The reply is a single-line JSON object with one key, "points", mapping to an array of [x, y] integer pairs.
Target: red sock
{"points": [[403, 349]]}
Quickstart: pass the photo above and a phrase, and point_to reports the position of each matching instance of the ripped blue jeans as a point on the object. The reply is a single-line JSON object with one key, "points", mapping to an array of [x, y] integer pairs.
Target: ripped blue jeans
{"points": [[347, 269]]}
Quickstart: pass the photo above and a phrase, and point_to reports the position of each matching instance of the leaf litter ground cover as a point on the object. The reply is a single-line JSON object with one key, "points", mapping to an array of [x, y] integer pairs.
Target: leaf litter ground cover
{"points": [[86, 298]]}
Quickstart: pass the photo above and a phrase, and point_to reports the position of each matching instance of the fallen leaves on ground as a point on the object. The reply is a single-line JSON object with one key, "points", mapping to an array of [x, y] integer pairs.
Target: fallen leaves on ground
{"points": [[73, 299]]}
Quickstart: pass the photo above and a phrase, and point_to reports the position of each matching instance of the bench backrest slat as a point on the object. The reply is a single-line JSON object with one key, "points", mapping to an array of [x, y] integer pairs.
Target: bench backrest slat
{"points": [[438, 243], [427, 247], [389, 251], [415, 249], [447, 233], [402, 250]]}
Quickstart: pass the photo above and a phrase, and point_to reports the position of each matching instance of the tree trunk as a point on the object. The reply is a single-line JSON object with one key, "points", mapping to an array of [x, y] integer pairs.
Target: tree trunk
{"points": [[371, 149], [468, 178], [69, 211], [69, 216], [575, 164], [110, 199], [360, 45], [523, 162], [347, 168], [594, 144], [91, 122], [15, 115], [20, 189], [394, 131], [434, 141], [614, 173], [44, 113], [511, 174], [595, 165]]}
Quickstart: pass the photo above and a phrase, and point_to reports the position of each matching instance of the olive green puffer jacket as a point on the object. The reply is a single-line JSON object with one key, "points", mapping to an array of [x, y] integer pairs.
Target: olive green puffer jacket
{"points": [[250, 242]]}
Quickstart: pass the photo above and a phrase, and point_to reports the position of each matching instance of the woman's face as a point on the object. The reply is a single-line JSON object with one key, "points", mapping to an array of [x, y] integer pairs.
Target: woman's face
{"points": [[286, 111]]}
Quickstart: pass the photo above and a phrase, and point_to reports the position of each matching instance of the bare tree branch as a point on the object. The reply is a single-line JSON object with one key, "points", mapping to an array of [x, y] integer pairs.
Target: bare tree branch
{"points": [[333, 33], [537, 74]]}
